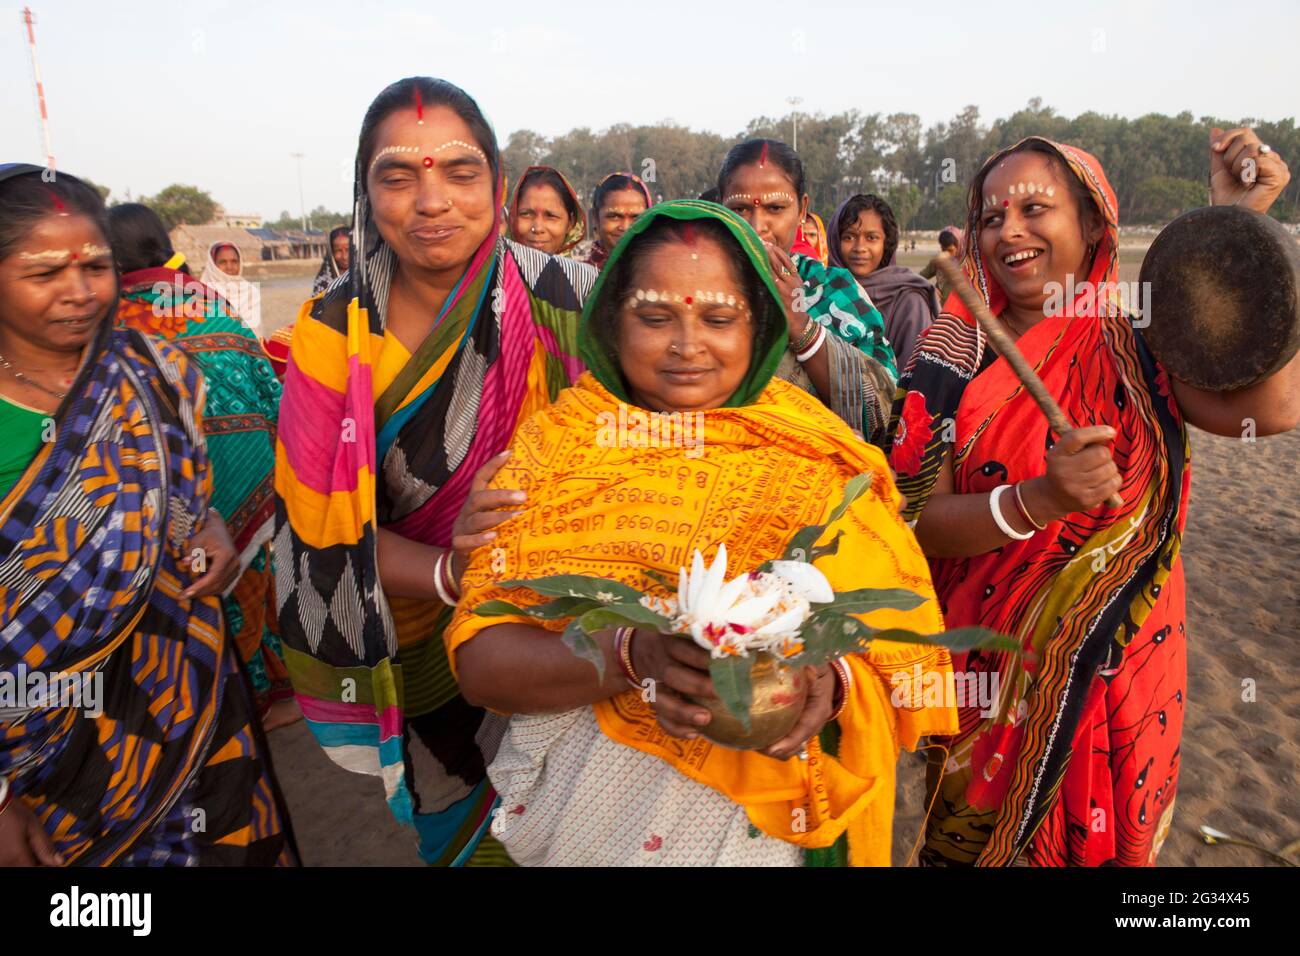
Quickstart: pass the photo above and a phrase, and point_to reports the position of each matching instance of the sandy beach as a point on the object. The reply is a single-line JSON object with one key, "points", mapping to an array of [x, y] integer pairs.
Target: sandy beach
{"points": [[1240, 754]]}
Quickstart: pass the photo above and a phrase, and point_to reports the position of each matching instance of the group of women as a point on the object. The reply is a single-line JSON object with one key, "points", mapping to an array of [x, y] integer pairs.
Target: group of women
{"points": [[435, 440]]}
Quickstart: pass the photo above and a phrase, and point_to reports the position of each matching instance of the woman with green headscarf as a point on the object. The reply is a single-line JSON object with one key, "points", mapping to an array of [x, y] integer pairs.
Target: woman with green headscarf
{"points": [[680, 438]]}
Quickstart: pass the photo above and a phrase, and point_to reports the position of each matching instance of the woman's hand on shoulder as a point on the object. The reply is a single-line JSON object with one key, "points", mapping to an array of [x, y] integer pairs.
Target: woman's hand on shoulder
{"points": [[481, 512]]}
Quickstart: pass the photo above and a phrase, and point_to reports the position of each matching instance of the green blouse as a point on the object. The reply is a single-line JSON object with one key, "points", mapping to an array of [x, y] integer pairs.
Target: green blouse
{"points": [[21, 430]]}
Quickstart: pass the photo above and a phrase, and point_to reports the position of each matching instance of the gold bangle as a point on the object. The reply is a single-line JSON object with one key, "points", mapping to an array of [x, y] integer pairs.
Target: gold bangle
{"points": [[806, 336]]}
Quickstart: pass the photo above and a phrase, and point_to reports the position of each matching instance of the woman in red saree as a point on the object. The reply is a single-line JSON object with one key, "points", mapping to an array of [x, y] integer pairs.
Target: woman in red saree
{"points": [[1076, 762]]}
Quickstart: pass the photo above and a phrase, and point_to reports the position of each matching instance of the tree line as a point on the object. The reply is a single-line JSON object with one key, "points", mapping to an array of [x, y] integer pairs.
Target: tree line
{"points": [[1158, 165]]}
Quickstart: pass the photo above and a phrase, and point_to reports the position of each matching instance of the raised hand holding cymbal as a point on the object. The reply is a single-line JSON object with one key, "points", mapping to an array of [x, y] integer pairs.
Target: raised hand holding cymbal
{"points": [[1243, 171]]}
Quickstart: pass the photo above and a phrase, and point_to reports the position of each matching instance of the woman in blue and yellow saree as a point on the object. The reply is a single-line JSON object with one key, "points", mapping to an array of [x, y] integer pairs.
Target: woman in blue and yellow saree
{"points": [[127, 736]]}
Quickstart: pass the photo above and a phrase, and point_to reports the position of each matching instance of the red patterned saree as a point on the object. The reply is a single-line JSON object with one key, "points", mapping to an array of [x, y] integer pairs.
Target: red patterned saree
{"points": [[1076, 762]]}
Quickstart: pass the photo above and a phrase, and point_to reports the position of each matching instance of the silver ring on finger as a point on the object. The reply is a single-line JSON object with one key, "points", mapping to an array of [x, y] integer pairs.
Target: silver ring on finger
{"points": [[1265, 149]]}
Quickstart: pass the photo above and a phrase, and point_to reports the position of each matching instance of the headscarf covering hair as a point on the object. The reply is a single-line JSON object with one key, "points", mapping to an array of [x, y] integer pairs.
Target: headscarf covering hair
{"points": [[402, 457], [244, 297], [1105, 639], [846, 215], [548, 176], [604, 188], [26, 205], [132, 409], [329, 269], [959, 234], [907, 302], [597, 335], [813, 232], [598, 255]]}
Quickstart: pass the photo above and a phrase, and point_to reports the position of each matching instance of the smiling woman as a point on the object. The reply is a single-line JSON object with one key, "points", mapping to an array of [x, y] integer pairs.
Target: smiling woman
{"points": [[403, 385], [864, 239], [838, 350], [545, 212], [103, 455], [616, 202], [687, 319], [1014, 520]]}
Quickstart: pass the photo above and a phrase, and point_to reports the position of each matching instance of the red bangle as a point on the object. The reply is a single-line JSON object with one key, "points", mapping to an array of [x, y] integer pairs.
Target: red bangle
{"points": [[844, 680], [1024, 511], [449, 579], [623, 651]]}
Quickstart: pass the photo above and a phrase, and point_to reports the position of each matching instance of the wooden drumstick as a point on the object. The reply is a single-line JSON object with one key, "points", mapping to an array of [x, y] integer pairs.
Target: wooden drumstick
{"points": [[1007, 348]]}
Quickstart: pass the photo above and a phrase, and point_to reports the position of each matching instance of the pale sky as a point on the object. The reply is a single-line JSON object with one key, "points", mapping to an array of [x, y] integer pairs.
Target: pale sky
{"points": [[218, 94]]}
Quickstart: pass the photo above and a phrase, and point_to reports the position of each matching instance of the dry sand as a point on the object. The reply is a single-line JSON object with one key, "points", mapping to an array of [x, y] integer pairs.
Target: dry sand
{"points": [[1240, 757]]}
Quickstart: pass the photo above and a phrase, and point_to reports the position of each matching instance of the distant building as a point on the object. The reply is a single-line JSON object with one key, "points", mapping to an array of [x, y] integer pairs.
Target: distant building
{"points": [[193, 243], [255, 243], [234, 220], [240, 221]]}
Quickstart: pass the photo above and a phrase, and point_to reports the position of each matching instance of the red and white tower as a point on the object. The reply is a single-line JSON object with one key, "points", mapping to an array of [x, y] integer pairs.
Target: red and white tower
{"points": [[40, 89]]}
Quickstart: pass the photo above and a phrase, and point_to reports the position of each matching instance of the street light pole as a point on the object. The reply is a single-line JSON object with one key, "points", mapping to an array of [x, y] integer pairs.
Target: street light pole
{"points": [[302, 204], [794, 101]]}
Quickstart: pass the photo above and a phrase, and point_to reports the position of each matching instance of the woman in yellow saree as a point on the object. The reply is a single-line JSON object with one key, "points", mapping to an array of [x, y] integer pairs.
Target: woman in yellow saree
{"points": [[680, 438]]}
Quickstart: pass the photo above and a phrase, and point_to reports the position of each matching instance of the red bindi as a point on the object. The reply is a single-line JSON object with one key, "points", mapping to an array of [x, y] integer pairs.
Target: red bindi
{"points": [[428, 162], [689, 300], [1006, 203]]}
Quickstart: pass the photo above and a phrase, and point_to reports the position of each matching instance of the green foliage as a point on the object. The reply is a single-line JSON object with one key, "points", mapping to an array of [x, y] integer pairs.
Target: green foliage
{"points": [[319, 218], [600, 590], [1161, 198], [731, 678], [923, 172], [178, 205], [801, 547], [830, 632]]}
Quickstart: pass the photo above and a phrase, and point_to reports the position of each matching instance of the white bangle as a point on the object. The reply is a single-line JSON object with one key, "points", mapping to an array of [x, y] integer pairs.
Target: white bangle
{"points": [[814, 348], [1006, 528], [443, 596]]}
